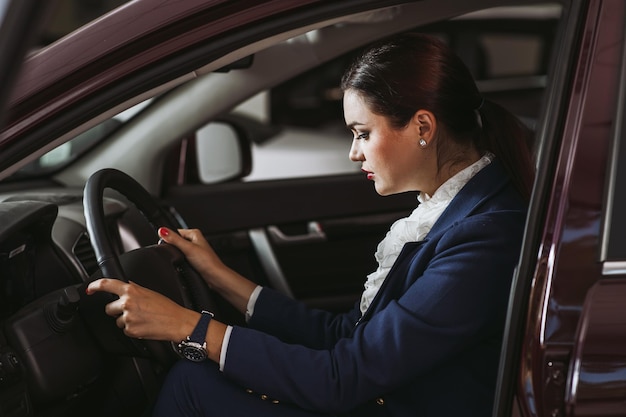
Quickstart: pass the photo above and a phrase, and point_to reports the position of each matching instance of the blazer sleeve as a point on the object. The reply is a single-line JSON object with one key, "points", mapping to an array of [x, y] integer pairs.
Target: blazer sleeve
{"points": [[459, 298], [293, 322]]}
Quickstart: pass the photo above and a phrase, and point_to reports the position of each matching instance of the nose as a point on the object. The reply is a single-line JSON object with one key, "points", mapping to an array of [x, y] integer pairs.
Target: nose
{"points": [[355, 151]]}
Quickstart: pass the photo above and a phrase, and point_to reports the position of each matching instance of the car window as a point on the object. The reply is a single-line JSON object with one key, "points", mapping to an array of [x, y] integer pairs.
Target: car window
{"points": [[613, 251], [510, 55], [506, 48], [67, 152], [281, 156]]}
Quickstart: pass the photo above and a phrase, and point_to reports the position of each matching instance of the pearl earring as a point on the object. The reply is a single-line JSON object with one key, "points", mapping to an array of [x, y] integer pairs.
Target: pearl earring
{"points": [[423, 142]]}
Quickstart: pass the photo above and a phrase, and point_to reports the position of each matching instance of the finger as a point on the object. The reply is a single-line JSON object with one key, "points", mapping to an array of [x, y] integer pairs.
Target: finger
{"points": [[194, 236], [114, 286], [171, 237], [120, 322], [187, 241], [189, 234], [114, 308]]}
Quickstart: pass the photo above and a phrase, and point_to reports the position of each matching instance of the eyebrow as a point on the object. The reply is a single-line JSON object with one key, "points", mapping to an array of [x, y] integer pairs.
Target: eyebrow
{"points": [[353, 124]]}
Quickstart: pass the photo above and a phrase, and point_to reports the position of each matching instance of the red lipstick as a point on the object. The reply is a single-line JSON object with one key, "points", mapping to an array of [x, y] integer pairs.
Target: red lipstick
{"points": [[370, 175]]}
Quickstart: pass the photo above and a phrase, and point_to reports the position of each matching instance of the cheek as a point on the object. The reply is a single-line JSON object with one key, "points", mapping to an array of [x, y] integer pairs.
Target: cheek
{"points": [[404, 162], [381, 144], [392, 152]]}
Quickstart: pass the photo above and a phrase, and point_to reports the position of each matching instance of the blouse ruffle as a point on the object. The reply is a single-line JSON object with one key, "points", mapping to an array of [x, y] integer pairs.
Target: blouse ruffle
{"points": [[416, 226]]}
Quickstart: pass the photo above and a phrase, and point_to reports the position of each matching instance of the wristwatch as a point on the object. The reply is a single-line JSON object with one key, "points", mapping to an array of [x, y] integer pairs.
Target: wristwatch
{"points": [[194, 347]]}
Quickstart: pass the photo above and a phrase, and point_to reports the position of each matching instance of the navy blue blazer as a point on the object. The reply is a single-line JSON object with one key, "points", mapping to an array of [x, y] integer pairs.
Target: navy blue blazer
{"points": [[428, 345]]}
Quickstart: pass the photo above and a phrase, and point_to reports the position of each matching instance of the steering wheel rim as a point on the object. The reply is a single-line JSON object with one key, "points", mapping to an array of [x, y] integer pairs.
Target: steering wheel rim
{"points": [[197, 296], [93, 205]]}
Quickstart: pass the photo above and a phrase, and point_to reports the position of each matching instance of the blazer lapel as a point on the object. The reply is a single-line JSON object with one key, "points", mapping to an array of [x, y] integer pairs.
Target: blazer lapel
{"points": [[395, 277], [489, 181], [486, 183]]}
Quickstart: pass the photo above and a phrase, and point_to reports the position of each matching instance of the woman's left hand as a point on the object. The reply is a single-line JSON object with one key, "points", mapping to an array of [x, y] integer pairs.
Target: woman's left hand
{"points": [[145, 314]]}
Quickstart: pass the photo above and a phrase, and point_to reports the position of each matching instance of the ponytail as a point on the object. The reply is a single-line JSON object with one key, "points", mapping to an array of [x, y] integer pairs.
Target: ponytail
{"points": [[509, 139]]}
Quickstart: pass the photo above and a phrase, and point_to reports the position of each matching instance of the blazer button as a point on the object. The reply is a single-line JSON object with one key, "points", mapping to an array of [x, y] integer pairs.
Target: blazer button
{"points": [[380, 401], [264, 397]]}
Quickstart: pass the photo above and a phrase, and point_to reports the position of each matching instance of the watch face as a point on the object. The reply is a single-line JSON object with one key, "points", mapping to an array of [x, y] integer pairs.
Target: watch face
{"points": [[193, 351], [194, 354]]}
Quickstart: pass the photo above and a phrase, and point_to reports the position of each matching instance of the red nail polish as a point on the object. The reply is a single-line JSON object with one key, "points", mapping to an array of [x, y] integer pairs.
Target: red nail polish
{"points": [[163, 231]]}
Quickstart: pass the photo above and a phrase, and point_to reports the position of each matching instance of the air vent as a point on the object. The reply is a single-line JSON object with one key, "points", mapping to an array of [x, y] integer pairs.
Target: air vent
{"points": [[85, 254]]}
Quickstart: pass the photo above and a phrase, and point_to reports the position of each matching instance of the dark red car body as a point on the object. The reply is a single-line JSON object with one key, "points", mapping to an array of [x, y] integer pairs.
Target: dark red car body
{"points": [[564, 352]]}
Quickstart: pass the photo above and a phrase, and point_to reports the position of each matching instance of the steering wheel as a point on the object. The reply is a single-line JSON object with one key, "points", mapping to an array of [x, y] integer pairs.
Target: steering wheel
{"points": [[160, 267]]}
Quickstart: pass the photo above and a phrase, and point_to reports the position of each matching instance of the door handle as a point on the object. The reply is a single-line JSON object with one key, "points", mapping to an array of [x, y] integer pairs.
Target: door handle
{"points": [[314, 234]]}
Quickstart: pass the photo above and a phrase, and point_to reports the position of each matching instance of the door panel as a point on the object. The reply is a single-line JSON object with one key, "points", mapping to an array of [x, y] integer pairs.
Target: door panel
{"points": [[598, 359]]}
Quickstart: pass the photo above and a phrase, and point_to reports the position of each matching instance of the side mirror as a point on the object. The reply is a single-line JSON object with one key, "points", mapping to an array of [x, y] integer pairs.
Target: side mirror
{"points": [[223, 153]]}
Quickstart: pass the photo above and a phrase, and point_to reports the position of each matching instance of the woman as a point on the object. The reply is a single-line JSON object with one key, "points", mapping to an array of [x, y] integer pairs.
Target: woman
{"points": [[425, 337]]}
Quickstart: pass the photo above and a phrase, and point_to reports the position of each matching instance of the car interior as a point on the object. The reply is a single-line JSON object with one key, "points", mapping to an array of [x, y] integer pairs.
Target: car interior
{"points": [[203, 151]]}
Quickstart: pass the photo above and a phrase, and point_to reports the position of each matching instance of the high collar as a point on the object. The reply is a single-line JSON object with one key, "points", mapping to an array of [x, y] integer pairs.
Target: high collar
{"points": [[489, 181]]}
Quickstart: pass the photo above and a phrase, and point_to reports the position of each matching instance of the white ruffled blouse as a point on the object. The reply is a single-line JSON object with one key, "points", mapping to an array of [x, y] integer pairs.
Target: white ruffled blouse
{"points": [[416, 226]]}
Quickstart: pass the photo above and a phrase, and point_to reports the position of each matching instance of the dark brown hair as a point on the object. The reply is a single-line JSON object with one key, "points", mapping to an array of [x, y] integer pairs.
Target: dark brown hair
{"points": [[405, 73]]}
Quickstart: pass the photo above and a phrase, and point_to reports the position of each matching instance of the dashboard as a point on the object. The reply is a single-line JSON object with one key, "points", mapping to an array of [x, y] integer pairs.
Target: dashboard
{"points": [[50, 352], [30, 265]]}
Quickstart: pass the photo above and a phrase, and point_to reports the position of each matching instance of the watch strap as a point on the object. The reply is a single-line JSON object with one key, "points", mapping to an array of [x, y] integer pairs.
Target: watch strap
{"points": [[199, 332]]}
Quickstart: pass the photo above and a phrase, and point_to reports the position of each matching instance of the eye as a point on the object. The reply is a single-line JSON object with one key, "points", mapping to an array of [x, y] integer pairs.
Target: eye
{"points": [[363, 135]]}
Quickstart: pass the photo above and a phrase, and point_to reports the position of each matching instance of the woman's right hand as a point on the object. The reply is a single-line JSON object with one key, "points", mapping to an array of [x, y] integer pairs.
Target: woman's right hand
{"points": [[197, 250], [235, 288]]}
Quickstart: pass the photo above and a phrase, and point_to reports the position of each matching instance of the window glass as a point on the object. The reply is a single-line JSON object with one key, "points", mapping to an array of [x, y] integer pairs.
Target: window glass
{"points": [[69, 151], [507, 49], [512, 55], [614, 236]]}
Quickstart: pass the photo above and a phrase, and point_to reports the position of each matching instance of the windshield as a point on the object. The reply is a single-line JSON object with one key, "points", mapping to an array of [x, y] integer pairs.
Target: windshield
{"points": [[69, 151]]}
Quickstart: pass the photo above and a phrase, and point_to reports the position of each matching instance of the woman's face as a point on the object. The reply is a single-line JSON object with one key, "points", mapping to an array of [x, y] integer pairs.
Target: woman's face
{"points": [[392, 158]]}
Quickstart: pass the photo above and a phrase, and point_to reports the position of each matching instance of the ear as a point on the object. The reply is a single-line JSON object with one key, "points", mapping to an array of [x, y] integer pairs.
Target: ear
{"points": [[426, 123]]}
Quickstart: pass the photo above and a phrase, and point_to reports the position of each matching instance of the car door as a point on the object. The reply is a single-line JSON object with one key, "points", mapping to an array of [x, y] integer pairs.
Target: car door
{"points": [[563, 355]]}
